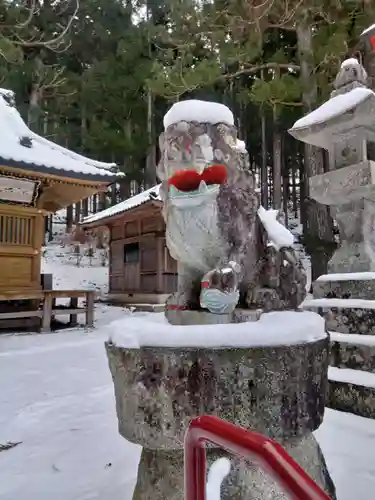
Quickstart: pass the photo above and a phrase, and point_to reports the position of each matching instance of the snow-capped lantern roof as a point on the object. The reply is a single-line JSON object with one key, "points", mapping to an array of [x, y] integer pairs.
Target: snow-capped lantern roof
{"points": [[351, 106], [22, 148], [101, 218]]}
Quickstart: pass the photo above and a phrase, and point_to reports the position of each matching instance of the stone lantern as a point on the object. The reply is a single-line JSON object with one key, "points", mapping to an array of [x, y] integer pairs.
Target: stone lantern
{"points": [[345, 126]]}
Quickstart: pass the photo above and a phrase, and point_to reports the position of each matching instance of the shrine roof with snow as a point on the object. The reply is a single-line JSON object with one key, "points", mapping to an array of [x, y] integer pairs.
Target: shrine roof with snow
{"points": [[151, 194], [21, 148]]}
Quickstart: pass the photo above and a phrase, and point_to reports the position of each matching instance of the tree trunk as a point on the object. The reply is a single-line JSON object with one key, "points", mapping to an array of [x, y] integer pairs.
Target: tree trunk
{"points": [[124, 189], [318, 225], [77, 212], [85, 207], [263, 171], [285, 177], [83, 128], [36, 96], [33, 113], [102, 201], [50, 227], [113, 194], [276, 172], [294, 189], [150, 177]]}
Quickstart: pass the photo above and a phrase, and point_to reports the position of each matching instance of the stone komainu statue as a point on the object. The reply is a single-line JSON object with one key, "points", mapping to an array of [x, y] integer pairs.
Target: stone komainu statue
{"points": [[213, 228]]}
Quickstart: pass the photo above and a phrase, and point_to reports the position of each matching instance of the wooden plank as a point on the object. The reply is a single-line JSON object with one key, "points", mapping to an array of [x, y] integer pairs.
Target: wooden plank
{"points": [[70, 311], [17, 295], [67, 294], [21, 314]]}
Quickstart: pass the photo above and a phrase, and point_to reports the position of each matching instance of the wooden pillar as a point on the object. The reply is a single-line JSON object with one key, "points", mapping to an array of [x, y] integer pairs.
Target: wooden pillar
{"points": [[90, 304], [47, 313]]}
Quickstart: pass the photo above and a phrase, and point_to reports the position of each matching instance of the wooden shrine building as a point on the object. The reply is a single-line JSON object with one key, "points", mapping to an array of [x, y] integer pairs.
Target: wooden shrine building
{"points": [[37, 177], [141, 270]]}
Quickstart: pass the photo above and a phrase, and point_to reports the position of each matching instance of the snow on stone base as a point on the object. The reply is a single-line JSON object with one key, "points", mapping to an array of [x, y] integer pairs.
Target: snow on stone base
{"points": [[338, 303], [364, 276], [353, 339], [349, 376], [272, 329], [194, 110]]}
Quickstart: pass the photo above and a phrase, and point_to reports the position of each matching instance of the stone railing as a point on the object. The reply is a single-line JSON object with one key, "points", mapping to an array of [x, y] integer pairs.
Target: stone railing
{"points": [[350, 320]]}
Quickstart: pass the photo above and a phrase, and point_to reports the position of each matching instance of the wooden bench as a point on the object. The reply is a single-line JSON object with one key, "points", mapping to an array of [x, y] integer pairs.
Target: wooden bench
{"points": [[50, 309], [47, 299]]}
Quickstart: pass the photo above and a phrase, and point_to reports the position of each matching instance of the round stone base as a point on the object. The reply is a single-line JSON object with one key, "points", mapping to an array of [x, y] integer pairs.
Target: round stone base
{"points": [[161, 474], [278, 391]]}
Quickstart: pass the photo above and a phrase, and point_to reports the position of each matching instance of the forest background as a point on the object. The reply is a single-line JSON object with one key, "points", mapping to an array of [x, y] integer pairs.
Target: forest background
{"points": [[97, 76]]}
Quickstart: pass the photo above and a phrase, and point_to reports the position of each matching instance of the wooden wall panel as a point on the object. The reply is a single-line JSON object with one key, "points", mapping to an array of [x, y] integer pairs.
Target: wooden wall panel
{"points": [[169, 283], [149, 256], [21, 239], [149, 283], [131, 229], [155, 271], [16, 270], [118, 231], [131, 277], [117, 257], [150, 225], [116, 283]]}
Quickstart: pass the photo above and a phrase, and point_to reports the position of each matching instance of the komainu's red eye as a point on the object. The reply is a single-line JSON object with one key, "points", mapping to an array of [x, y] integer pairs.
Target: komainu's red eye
{"points": [[215, 174], [185, 180]]}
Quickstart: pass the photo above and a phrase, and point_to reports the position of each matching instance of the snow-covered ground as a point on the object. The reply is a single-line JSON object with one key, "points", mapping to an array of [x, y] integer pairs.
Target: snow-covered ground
{"points": [[60, 262], [56, 397], [56, 400]]}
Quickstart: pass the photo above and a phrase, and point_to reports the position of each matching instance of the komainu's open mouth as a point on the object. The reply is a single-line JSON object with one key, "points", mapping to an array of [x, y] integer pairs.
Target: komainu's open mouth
{"points": [[190, 182]]}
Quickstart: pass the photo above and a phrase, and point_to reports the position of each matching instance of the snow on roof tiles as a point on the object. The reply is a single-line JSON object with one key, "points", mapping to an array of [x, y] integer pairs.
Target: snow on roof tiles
{"points": [[124, 206], [334, 107], [39, 153]]}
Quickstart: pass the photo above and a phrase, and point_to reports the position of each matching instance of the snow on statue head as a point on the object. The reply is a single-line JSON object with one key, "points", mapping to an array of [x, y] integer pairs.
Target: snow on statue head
{"points": [[213, 229]]}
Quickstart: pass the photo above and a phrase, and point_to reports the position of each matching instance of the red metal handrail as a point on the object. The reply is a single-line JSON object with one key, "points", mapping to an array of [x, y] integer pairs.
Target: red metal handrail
{"points": [[248, 445]]}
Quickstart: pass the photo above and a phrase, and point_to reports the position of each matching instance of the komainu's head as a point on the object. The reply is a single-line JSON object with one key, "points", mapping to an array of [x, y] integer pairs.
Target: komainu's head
{"points": [[197, 157]]}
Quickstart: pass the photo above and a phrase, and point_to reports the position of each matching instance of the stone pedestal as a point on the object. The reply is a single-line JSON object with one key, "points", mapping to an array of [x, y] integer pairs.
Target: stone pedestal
{"points": [[345, 354], [277, 391], [347, 286]]}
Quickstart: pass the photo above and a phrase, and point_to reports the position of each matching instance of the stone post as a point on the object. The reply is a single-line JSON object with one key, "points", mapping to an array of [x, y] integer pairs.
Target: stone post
{"points": [[279, 391]]}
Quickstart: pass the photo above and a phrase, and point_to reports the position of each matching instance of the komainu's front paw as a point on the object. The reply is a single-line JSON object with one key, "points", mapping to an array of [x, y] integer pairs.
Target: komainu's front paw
{"points": [[219, 289], [177, 301], [263, 298]]}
